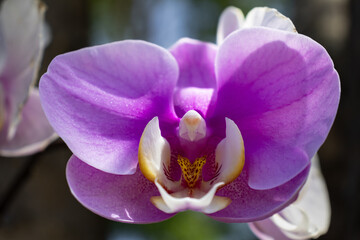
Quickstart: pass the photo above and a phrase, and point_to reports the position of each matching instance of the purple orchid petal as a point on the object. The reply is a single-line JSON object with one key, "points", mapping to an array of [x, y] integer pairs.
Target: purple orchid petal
{"points": [[267, 230], [199, 99], [197, 80], [119, 198], [283, 92], [33, 133], [100, 99], [251, 205], [306, 218], [21, 25]]}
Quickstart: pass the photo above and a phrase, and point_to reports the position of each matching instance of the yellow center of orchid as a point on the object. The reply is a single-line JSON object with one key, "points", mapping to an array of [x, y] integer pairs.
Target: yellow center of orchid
{"points": [[191, 172], [191, 191]]}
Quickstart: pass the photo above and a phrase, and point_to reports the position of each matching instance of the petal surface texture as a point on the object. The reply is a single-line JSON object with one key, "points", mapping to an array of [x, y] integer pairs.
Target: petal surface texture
{"points": [[100, 99], [33, 133], [197, 82], [21, 24], [249, 204], [123, 198], [282, 92]]}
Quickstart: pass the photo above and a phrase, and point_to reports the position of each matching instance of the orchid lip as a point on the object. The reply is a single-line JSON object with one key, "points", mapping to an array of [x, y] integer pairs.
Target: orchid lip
{"points": [[207, 203], [191, 192]]}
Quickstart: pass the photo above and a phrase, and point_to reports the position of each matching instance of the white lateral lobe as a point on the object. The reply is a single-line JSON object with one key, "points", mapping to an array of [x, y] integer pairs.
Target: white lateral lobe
{"points": [[154, 151], [230, 153]]}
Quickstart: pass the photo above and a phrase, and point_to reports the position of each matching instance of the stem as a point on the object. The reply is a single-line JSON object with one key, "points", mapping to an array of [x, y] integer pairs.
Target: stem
{"points": [[20, 179], [16, 185]]}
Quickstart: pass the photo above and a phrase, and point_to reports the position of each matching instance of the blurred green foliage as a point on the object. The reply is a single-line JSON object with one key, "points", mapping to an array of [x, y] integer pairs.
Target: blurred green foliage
{"points": [[184, 226]]}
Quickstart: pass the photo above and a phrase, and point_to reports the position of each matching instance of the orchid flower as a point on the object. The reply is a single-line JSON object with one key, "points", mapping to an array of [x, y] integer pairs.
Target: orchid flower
{"points": [[24, 128], [228, 130], [309, 216]]}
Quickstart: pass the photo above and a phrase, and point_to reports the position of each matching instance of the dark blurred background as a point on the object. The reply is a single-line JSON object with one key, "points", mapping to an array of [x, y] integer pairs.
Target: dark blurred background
{"points": [[37, 203]]}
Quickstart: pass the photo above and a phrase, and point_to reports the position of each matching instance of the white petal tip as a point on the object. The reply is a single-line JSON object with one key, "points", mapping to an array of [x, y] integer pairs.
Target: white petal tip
{"points": [[268, 17], [230, 20]]}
